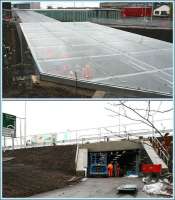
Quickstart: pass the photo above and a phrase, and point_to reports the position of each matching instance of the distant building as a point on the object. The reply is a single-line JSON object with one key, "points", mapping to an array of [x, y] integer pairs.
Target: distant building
{"points": [[162, 11], [120, 5], [35, 5], [31, 5], [6, 5], [137, 11], [49, 7], [114, 5], [130, 9], [22, 5]]}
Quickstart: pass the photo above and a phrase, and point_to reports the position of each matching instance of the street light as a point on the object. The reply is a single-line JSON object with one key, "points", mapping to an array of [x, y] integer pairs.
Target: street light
{"points": [[25, 124], [20, 132]]}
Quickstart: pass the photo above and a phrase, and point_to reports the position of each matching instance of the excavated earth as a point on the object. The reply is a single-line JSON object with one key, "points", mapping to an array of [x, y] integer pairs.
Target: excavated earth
{"points": [[35, 170]]}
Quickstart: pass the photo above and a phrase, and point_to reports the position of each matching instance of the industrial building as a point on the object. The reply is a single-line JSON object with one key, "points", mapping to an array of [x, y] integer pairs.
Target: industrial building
{"points": [[120, 5], [31, 5], [163, 11]]}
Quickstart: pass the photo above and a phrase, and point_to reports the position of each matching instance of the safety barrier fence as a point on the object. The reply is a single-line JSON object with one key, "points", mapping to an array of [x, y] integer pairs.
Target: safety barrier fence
{"points": [[53, 139], [81, 15]]}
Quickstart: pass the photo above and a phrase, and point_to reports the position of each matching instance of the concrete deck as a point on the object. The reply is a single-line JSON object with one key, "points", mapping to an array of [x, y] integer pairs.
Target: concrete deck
{"points": [[98, 56]]}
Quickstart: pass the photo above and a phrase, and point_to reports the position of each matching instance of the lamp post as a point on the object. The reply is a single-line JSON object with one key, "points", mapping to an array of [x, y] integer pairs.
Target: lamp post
{"points": [[25, 124], [119, 121], [76, 136], [20, 129], [20, 133]]}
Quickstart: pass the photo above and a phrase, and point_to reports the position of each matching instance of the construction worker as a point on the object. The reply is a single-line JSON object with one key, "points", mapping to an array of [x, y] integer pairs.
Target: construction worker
{"points": [[118, 169], [110, 169], [115, 168], [124, 170]]}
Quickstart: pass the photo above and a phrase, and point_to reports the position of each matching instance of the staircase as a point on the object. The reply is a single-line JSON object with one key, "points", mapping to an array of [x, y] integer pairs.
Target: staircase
{"points": [[156, 155]]}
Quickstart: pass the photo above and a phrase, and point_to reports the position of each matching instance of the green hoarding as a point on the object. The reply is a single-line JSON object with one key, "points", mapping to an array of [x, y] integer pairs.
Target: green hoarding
{"points": [[80, 15]]}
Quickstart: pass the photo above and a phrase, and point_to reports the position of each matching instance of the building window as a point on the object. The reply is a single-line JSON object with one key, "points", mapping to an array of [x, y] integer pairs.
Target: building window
{"points": [[164, 13]]}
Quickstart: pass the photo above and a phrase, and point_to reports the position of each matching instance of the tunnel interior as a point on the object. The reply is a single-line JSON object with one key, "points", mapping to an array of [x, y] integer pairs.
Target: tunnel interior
{"points": [[128, 162]]}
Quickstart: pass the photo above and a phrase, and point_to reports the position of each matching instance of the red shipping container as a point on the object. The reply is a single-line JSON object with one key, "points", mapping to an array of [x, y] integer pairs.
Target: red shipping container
{"points": [[151, 168], [137, 12]]}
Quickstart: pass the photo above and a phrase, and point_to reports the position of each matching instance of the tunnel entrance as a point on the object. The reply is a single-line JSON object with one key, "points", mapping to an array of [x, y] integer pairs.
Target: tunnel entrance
{"points": [[128, 162]]}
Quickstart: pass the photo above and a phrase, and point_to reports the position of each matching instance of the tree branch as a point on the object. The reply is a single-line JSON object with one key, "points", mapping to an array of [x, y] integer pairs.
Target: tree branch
{"points": [[150, 123]]}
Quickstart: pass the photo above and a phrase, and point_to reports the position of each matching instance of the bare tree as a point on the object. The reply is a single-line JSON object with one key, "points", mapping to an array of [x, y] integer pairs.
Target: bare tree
{"points": [[141, 114]]}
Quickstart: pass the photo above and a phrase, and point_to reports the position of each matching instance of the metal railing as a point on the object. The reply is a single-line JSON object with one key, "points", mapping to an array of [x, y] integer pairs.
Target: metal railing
{"points": [[90, 138], [160, 149]]}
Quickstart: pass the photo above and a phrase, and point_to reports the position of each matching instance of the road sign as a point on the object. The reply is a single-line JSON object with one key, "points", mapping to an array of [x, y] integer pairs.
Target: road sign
{"points": [[9, 125]]}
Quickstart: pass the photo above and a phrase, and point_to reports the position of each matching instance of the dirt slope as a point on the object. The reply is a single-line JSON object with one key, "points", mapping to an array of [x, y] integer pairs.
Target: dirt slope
{"points": [[38, 170]]}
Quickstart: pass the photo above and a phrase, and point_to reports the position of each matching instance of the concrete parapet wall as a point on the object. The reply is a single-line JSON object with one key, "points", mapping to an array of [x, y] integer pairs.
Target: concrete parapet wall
{"points": [[112, 146]]}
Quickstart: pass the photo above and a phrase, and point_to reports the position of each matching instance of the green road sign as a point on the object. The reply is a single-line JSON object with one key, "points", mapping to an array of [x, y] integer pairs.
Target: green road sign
{"points": [[9, 125]]}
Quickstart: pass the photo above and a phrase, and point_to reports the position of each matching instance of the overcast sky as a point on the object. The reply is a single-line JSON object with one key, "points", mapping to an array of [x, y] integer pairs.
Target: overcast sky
{"points": [[57, 116], [70, 4], [81, 3]]}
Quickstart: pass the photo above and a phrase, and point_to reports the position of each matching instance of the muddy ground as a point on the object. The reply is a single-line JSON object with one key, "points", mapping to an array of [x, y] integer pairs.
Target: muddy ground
{"points": [[36, 170]]}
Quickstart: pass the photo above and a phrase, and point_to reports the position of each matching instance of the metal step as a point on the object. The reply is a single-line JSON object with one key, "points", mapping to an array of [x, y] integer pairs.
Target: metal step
{"points": [[153, 155]]}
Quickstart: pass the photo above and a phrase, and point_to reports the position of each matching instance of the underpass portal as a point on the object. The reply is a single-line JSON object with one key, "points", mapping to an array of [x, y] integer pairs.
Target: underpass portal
{"points": [[125, 163]]}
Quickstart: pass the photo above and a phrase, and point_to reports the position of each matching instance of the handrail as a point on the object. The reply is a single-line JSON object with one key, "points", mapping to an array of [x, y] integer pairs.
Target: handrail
{"points": [[101, 137], [161, 145], [162, 151]]}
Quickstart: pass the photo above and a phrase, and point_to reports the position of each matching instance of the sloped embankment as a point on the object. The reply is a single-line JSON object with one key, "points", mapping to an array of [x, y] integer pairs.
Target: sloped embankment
{"points": [[37, 170]]}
